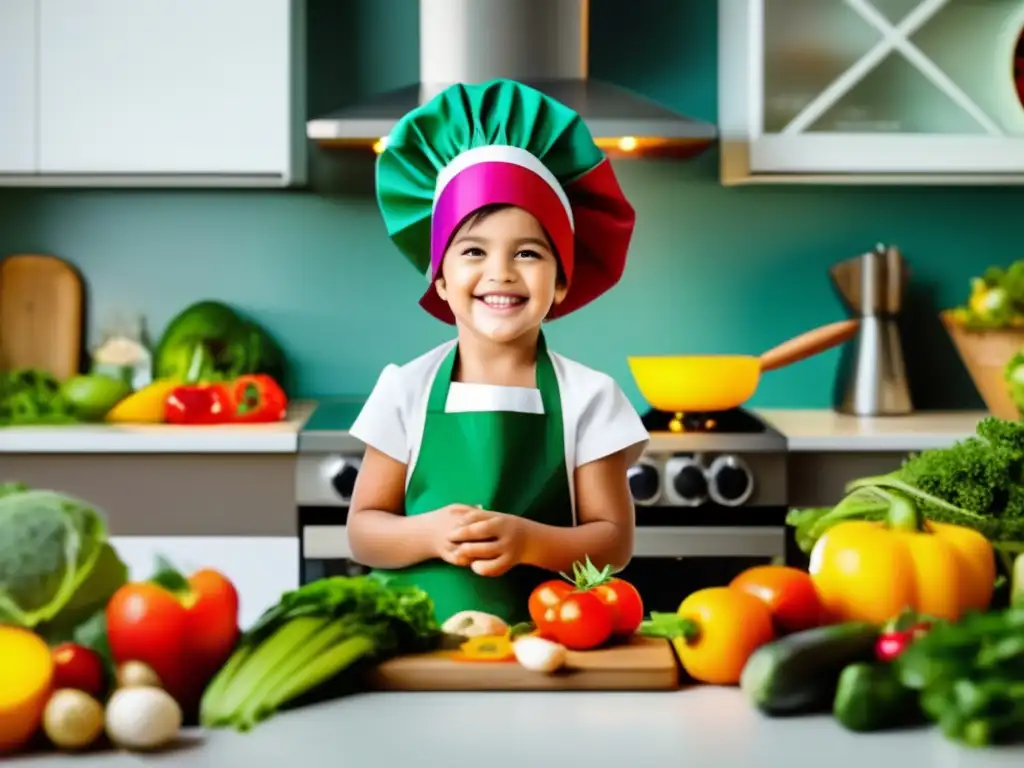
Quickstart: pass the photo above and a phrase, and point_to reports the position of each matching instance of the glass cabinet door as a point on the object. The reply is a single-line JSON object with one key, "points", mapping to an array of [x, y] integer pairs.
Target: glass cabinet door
{"points": [[879, 86]]}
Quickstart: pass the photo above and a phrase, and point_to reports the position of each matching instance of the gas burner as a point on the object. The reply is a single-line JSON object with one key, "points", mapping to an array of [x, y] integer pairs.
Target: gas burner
{"points": [[735, 421]]}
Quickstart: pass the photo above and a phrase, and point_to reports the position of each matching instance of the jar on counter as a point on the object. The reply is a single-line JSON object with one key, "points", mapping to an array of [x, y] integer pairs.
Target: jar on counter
{"points": [[125, 352]]}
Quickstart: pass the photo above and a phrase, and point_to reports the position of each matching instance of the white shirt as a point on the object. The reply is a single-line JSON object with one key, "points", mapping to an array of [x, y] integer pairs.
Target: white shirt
{"points": [[598, 420]]}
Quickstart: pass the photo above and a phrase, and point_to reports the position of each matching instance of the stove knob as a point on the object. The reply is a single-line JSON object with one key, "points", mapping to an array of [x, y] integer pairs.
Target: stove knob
{"points": [[689, 484], [644, 483], [343, 480], [731, 482]]}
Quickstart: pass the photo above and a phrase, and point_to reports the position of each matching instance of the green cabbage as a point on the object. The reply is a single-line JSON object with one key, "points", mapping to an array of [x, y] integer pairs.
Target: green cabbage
{"points": [[57, 567], [210, 341]]}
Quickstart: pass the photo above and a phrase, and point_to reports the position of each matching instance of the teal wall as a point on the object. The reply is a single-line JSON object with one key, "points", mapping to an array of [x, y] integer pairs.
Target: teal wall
{"points": [[711, 269]]}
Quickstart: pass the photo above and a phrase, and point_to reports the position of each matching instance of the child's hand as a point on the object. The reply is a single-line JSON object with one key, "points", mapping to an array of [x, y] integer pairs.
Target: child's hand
{"points": [[445, 524], [493, 544]]}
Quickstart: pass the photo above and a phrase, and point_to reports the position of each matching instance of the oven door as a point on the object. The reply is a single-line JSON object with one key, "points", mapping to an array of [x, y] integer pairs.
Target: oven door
{"points": [[323, 545]]}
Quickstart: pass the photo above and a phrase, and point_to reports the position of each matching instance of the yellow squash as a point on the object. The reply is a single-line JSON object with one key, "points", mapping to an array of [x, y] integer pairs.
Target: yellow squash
{"points": [[145, 406], [872, 571]]}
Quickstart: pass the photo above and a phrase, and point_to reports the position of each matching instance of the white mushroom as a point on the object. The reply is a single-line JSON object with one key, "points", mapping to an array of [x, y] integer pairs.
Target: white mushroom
{"points": [[72, 719], [475, 624], [142, 718], [135, 674], [538, 654]]}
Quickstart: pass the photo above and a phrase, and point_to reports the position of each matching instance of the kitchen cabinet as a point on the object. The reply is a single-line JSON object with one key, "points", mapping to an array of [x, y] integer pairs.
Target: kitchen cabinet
{"points": [[163, 93], [870, 91], [17, 86]]}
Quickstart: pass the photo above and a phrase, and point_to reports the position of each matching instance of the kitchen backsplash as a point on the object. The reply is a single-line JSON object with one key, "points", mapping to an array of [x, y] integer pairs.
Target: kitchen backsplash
{"points": [[711, 269]]}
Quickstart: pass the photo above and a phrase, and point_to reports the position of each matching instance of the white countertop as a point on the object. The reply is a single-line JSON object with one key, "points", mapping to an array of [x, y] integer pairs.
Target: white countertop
{"points": [[701, 727], [823, 431], [279, 437], [820, 431]]}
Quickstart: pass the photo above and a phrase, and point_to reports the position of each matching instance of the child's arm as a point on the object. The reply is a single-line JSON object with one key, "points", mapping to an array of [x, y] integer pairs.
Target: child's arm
{"points": [[379, 534], [605, 522]]}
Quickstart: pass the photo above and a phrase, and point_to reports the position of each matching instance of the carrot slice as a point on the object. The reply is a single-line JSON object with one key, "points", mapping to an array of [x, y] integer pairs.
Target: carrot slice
{"points": [[486, 648], [26, 677]]}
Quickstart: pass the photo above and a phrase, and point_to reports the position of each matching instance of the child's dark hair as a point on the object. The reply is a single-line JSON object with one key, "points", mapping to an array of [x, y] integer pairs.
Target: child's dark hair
{"points": [[484, 212]]}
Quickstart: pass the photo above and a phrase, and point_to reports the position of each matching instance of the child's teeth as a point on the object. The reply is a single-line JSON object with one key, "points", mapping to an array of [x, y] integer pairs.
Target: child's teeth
{"points": [[501, 301]]}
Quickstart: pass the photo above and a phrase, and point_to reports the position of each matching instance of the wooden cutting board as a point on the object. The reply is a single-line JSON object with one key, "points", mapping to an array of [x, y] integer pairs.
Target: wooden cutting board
{"points": [[642, 664], [41, 310]]}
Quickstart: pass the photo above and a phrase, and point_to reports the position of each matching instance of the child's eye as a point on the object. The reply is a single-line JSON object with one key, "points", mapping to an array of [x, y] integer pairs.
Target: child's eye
{"points": [[473, 252], [528, 255]]}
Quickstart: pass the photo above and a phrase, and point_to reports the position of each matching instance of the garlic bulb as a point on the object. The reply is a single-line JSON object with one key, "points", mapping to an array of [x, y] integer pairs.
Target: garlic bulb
{"points": [[538, 654]]}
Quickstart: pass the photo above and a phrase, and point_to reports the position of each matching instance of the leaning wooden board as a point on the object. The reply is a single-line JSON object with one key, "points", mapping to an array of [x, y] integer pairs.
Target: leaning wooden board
{"points": [[41, 314], [642, 664]]}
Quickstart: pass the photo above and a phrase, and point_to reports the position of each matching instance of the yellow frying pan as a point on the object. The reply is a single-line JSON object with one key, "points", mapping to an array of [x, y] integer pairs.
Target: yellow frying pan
{"points": [[704, 383]]}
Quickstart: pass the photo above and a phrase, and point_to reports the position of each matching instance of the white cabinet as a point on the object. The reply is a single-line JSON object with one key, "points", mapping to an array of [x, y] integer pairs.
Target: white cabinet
{"points": [[870, 91], [17, 86], [167, 92]]}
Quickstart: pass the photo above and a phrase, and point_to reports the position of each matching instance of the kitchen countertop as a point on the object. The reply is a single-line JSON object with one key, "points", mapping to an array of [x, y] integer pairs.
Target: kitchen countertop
{"points": [[701, 727], [823, 431], [280, 437], [321, 426]]}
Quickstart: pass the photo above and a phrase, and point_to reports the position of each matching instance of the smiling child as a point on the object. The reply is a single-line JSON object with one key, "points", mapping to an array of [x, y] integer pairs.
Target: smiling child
{"points": [[491, 462]]}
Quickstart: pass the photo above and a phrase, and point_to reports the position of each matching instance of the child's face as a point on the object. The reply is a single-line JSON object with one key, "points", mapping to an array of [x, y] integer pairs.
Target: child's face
{"points": [[500, 275]]}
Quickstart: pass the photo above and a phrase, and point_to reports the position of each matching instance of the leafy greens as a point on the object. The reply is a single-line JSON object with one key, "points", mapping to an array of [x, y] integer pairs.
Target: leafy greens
{"points": [[309, 638]]}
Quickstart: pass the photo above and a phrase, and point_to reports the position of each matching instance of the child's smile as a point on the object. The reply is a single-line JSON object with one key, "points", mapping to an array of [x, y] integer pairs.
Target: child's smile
{"points": [[503, 302]]}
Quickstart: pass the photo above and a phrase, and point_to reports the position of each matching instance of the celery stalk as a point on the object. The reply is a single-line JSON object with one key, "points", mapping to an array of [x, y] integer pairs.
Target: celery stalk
{"points": [[261, 663], [325, 666], [210, 713], [296, 662]]}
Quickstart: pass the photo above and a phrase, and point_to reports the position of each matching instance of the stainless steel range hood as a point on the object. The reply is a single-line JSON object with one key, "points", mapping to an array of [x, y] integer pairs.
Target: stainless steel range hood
{"points": [[543, 43]]}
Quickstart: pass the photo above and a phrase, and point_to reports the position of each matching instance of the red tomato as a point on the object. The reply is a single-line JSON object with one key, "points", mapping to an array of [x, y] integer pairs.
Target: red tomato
{"points": [[625, 603], [582, 621], [147, 623], [788, 592], [78, 667], [544, 600]]}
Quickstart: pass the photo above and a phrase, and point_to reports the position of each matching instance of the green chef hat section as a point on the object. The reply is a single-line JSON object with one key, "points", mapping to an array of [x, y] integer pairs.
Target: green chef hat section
{"points": [[503, 142]]}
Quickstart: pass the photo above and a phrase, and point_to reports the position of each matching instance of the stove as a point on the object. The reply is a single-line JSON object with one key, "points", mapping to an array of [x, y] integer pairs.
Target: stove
{"points": [[710, 493]]}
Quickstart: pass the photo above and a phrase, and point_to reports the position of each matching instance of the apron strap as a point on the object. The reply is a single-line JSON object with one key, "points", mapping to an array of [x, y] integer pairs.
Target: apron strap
{"points": [[547, 381]]}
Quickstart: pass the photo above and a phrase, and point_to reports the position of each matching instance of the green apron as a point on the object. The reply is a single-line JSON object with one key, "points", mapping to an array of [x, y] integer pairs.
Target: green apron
{"points": [[502, 461]]}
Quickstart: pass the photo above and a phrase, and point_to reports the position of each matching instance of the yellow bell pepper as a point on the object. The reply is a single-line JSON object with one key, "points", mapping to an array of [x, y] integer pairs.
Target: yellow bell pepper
{"points": [[145, 406], [872, 571], [486, 648]]}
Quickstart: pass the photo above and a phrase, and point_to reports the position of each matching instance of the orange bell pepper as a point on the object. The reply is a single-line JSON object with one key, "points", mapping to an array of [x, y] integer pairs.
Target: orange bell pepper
{"points": [[873, 571]]}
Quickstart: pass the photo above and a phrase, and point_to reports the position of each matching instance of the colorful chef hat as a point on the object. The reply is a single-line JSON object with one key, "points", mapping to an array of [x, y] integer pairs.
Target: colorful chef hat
{"points": [[503, 142]]}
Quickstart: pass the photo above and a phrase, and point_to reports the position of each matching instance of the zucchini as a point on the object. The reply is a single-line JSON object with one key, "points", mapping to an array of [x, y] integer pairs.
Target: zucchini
{"points": [[870, 697], [798, 673]]}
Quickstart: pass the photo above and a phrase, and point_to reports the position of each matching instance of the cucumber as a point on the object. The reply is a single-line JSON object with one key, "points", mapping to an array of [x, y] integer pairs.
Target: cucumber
{"points": [[798, 673], [870, 697]]}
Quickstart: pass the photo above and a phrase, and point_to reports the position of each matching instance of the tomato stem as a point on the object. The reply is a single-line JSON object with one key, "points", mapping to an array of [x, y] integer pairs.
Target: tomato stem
{"points": [[169, 577], [587, 576]]}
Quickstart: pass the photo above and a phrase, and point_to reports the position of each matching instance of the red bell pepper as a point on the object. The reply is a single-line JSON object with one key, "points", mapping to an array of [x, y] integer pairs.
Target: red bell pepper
{"points": [[258, 399], [898, 634], [199, 404]]}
